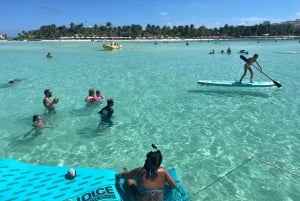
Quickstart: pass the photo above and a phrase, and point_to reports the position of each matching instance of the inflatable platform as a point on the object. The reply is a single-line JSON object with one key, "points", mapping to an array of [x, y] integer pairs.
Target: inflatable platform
{"points": [[24, 182]]}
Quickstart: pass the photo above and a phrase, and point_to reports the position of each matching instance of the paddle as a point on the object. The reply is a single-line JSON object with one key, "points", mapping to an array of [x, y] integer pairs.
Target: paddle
{"points": [[246, 60]]}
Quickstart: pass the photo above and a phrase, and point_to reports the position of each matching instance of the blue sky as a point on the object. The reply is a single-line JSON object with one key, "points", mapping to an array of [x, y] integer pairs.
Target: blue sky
{"points": [[19, 15]]}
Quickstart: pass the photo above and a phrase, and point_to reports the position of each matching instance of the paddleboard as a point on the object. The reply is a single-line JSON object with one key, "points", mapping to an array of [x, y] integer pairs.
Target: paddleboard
{"points": [[22, 182], [235, 83], [288, 52]]}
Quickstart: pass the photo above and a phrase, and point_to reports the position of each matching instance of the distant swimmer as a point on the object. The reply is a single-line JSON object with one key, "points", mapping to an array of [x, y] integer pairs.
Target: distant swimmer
{"points": [[10, 83], [49, 56], [17, 80], [228, 50], [212, 52]]}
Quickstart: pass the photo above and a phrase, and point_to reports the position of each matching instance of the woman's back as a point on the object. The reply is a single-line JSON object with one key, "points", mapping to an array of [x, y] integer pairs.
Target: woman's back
{"points": [[147, 182]]}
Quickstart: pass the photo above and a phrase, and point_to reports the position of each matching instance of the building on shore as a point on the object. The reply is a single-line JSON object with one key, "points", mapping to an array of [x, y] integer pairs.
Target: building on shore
{"points": [[294, 23]]}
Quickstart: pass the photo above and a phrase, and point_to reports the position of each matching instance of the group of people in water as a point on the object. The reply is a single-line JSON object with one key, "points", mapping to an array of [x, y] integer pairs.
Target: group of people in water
{"points": [[142, 183], [222, 51], [94, 97]]}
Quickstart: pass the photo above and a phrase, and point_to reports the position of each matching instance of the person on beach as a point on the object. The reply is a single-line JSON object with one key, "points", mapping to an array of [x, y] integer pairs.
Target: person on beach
{"points": [[247, 67], [147, 182], [106, 114], [48, 103]]}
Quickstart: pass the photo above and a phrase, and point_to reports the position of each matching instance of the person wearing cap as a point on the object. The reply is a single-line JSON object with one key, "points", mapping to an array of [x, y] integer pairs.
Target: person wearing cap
{"points": [[106, 113]]}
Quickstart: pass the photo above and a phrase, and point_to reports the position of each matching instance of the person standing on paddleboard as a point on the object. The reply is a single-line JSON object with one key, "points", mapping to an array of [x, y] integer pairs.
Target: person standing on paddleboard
{"points": [[247, 67]]}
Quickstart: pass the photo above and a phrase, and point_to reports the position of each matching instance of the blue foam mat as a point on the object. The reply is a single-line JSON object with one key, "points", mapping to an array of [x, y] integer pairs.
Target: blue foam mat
{"points": [[23, 182]]}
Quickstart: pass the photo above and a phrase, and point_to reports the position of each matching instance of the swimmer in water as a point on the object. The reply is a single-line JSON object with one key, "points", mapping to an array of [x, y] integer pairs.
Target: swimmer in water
{"points": [[98, 96], [90, 97], [49, 56], [48, 103], [38, 124]]}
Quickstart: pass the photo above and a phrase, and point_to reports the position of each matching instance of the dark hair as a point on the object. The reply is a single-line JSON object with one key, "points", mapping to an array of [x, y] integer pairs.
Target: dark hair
{"points": [[152, 163], [35, 117], [91, 92], [110, 101], [46, 91], [255, 55]]}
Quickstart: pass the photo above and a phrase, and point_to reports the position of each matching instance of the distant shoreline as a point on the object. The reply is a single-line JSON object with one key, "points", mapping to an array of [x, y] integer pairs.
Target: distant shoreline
{"points": [[214, 38]]}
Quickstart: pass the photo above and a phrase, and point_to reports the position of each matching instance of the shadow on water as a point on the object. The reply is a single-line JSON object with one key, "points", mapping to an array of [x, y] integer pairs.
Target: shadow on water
{"points": [[89, 132], [229, 93], [24, 139], [6, 85], [85, 111]]}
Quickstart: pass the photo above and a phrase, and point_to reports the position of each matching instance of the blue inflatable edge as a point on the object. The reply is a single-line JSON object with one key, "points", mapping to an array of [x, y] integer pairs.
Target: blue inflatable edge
{"points": [[23, 182]]}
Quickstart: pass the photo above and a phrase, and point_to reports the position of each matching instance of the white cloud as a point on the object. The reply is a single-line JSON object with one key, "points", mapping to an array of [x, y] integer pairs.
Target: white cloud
{"points": [[253, 19], [297, 14], [163, 13]]}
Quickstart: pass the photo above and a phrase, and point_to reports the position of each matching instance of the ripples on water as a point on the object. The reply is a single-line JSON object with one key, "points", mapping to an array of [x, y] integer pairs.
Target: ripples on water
{"points": [[200, 130]]}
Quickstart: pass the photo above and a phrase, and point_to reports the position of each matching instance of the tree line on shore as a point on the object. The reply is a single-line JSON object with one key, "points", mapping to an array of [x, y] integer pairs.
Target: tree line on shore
{"points": [[53, 32]]}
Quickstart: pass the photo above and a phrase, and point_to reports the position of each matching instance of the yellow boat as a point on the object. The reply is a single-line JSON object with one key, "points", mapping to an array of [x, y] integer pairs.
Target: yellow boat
{"points": [[112, 46]]}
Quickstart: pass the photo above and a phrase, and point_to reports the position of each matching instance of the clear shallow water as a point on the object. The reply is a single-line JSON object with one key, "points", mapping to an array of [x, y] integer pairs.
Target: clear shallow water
{"points": [[200, 130]]}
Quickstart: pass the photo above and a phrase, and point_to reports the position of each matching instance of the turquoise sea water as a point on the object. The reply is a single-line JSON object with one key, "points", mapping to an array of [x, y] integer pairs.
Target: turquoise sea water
{"points": [[201, 131]]}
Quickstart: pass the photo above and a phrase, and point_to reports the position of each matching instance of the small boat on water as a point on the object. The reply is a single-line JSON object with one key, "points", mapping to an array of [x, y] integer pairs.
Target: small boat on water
{"points": [[112, 46]]}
